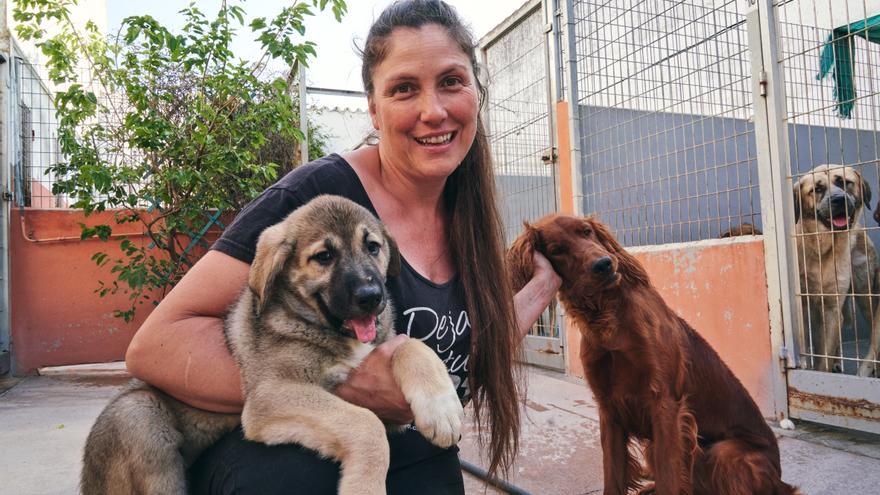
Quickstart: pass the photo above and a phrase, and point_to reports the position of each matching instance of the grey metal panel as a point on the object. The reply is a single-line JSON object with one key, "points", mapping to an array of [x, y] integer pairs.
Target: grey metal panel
{"points": [[544, 351], [836, 399]]}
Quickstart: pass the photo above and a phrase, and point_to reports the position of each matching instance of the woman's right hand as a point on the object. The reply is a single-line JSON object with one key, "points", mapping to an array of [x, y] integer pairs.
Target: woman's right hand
{"points": [[372, 386]]}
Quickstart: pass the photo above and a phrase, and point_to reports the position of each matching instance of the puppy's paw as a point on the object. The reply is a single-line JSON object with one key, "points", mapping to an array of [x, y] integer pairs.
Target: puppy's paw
{"points": [[439, 418]]}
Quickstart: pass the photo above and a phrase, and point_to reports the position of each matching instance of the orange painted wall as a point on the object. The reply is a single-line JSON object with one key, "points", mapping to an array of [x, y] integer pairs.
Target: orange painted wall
{"points": [[56, 317], [720, 288]]}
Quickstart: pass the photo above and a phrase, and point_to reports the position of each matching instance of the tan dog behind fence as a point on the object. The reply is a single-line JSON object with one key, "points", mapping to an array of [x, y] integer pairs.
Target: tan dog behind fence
{"points": [[837, 263]]}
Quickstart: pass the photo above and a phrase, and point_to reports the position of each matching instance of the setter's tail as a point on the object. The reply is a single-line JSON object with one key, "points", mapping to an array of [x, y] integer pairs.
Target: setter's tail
{"points": [[734, 467]]}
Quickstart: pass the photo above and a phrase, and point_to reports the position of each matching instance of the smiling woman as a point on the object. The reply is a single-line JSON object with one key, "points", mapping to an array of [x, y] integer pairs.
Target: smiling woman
{"points": [[425, 109], [429, 179]]}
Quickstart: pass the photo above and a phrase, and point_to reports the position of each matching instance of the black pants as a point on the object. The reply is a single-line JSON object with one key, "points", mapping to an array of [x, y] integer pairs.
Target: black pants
{"points": [[237, 466]]}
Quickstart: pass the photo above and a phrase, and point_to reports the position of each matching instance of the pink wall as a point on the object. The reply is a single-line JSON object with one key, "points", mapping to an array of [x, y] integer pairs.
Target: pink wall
{"points": [[41, 197], [56, 317], [720, 288]]}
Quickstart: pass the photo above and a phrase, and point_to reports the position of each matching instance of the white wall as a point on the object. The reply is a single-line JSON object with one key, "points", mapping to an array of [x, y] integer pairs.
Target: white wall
{"points": [[346, 126]]}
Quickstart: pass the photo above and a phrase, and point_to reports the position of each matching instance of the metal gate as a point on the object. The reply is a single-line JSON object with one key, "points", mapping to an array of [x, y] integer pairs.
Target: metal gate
{"points": [[518, 116], [821, 68]]}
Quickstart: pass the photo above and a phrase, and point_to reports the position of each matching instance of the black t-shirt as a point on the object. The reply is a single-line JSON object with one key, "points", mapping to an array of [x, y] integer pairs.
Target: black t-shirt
{"points": [[432, 313]]}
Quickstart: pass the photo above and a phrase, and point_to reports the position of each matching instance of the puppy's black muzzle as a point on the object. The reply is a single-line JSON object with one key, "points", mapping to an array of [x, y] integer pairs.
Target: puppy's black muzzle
{"points": [[368, 296], [358, 293], [841, 206]]}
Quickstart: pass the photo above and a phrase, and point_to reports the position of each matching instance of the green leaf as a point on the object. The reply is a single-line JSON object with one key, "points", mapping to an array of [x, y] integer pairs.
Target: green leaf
{"points": [[132, 34], [191, 128]]}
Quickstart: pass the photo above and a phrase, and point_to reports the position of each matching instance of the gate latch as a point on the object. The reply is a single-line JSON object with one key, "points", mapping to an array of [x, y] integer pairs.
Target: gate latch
{"points": [[762, 83]]}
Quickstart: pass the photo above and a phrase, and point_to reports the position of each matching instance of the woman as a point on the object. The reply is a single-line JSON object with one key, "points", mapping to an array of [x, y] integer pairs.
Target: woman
{"points": [[429, 180]]}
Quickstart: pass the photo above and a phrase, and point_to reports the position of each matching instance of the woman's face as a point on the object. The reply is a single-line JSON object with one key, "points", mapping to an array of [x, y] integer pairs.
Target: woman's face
{"points": [[424, 103]]}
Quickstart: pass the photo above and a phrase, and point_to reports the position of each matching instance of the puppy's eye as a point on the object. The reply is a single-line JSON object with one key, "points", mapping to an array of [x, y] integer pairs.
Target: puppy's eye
{"points": [[819, 189], [324, 258], [587, 231], [838, 182], [373, 247]]}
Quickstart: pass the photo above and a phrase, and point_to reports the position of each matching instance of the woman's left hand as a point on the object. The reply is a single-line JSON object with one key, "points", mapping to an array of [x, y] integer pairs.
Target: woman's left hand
{"points": [[544, 272], [537, 294]]}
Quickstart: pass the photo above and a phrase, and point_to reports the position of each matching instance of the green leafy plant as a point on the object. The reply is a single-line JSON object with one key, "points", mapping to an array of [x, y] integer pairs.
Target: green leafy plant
{"points": [[166, 128]]}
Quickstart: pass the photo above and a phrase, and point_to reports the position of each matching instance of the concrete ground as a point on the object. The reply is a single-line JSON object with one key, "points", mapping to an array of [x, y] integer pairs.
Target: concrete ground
{"points": [[45, 420]]}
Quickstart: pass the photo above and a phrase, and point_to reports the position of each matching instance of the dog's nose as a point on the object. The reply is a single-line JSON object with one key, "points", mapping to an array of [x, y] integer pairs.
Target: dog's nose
{"points": [[602, 265], [838, 200], [368, 297]]}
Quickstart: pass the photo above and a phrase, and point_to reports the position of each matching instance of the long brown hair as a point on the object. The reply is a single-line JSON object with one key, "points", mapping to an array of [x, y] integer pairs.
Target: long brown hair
{"points": [[475, 228]]}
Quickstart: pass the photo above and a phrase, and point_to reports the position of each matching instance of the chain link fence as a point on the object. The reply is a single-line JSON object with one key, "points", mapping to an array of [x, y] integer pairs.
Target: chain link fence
{"points": [[37, 148], [668, 149], [830, 60]]}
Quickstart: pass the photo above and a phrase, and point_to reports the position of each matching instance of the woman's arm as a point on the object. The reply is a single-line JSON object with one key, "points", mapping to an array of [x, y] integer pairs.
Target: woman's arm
{"points": [[536, 295], [180, 348]]}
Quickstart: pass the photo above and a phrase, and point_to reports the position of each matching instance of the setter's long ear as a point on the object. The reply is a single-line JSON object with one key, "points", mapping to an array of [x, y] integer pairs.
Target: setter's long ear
{"points": [[275, 246], [520, 257], [603, 233], [627, 264]]}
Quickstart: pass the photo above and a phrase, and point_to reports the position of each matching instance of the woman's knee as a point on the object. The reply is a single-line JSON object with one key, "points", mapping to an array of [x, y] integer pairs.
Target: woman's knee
{"points": [[238, 466]]}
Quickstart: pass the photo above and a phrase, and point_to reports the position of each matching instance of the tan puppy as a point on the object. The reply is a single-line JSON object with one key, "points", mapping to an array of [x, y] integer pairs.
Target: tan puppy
{"points": [[314, 307], [836, 258]]}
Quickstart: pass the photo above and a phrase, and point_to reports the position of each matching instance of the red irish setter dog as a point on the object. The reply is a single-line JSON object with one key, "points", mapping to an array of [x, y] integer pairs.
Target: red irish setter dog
{"points": [[654, 378]]}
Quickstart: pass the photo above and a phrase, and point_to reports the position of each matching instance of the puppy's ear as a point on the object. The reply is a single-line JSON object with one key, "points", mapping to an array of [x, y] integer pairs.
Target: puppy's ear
{"points": [[275, 246], [394, 255], [796, 194], [520, 257]]}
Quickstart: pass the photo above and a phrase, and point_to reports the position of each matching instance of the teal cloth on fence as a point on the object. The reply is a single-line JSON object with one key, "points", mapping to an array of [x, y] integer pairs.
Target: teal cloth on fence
{"points": [[838, 54]]}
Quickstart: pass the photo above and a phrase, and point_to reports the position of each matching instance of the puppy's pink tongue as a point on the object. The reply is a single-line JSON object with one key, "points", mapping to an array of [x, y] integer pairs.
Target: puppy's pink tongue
{"points": [[364, 328], [839, 222]]}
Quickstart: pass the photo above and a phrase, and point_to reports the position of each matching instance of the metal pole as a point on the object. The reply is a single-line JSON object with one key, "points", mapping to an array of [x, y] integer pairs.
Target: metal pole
{"points": [[15, 138], [303, 116], [777, 206], [551, 28], [574, 127], [485, 111], [6, 96]]}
